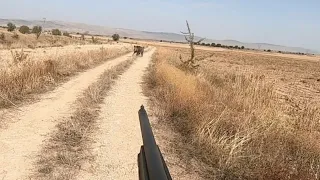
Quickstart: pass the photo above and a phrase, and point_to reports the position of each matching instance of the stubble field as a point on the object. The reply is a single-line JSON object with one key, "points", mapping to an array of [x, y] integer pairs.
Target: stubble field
{"points": [[246, 115]]}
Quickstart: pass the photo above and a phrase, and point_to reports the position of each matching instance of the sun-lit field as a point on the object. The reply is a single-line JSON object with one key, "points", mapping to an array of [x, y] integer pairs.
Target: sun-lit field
{"points": [[291, 77], [27, 71], [256, 52], [183, 90], [7, 57], [247, 115], [30, 40], [242, 114]]}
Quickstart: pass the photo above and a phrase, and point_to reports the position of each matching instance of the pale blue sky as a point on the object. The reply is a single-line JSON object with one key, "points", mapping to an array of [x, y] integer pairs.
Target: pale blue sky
{"points": [[283, 22]]}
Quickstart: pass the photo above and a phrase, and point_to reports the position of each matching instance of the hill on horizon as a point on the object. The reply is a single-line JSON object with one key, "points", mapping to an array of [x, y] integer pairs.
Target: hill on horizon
{"points": [[167, 36]]}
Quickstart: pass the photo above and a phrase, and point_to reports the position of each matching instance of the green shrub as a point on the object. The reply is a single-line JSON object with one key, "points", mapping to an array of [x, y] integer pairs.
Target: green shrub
{"points": [[56, 32], [24, 29], [11, 27], [37, 31], [115, 37]]}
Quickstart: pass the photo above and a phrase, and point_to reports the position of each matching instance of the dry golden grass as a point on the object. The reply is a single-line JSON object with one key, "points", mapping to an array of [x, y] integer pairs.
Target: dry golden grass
{"points": [[35, 76], [7, 56], [46, 40], [235, 120], [30, 41], [296, 81], [69, 146]]}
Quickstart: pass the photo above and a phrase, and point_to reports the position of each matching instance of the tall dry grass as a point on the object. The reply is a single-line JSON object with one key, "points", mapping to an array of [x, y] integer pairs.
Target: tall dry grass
{"points": [[35, 76], [69, 147], [235, 123], [30, 40]]}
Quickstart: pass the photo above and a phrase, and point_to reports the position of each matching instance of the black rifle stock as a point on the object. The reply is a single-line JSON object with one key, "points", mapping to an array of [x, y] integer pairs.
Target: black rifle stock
{"points": [[150, 161]]}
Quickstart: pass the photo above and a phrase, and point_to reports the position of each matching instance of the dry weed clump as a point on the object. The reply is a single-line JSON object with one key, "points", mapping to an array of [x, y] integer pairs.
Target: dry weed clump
{"points": [[18, 56], [69, 146], [35, 76], [235, 123]]}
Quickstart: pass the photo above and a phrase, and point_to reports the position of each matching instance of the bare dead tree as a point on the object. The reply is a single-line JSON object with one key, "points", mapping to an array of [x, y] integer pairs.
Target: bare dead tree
{"points": [[189, 36], [39, 31]]}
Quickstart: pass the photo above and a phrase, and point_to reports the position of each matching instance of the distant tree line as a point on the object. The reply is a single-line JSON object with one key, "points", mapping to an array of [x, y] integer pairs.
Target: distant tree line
{"points": [[288, 52], [37, 30], [221, 45], [240, 47], [211, 45]]}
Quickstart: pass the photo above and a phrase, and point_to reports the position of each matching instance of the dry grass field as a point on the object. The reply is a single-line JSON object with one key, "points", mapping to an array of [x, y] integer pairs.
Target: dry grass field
{"points": [[28, 71], [124, 90], [8, 57], [240, 115], [30, 41], [247, 115]]}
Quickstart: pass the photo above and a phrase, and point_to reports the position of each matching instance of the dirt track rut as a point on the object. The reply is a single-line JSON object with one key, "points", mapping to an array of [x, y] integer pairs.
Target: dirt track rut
{"points": [[118, 139], [29, 126]]}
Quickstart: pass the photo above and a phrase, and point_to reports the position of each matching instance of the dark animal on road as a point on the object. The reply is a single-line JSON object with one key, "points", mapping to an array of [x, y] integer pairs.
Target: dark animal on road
{"points": [[138, 50]]}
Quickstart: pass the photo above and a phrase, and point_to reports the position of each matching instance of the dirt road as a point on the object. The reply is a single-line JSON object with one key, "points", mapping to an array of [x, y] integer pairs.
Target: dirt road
{"points": [[30, 126], [118, 139]]}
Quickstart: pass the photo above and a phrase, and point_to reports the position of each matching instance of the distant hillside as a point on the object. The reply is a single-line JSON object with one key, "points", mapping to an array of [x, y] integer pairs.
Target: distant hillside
{"points": [[102, 30]]}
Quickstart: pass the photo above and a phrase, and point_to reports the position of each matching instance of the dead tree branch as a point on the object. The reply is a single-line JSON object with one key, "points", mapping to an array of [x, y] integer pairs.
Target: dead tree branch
{"points": [[189, 37]]}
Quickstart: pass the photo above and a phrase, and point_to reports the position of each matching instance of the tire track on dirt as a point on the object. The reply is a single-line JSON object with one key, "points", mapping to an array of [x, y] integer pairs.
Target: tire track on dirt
{"points": [[69, 145], [118, 138], [29, 126]]}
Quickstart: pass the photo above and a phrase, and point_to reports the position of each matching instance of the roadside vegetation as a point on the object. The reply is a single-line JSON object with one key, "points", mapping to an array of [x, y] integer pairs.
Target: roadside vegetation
{"points": [[28, 76], [32, 39], [233, 121], [12, 37], [115, 37]]}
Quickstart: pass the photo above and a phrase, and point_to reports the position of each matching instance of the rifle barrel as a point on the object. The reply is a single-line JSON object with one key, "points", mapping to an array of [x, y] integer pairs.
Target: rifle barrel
{"points": [[157, 170]]}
